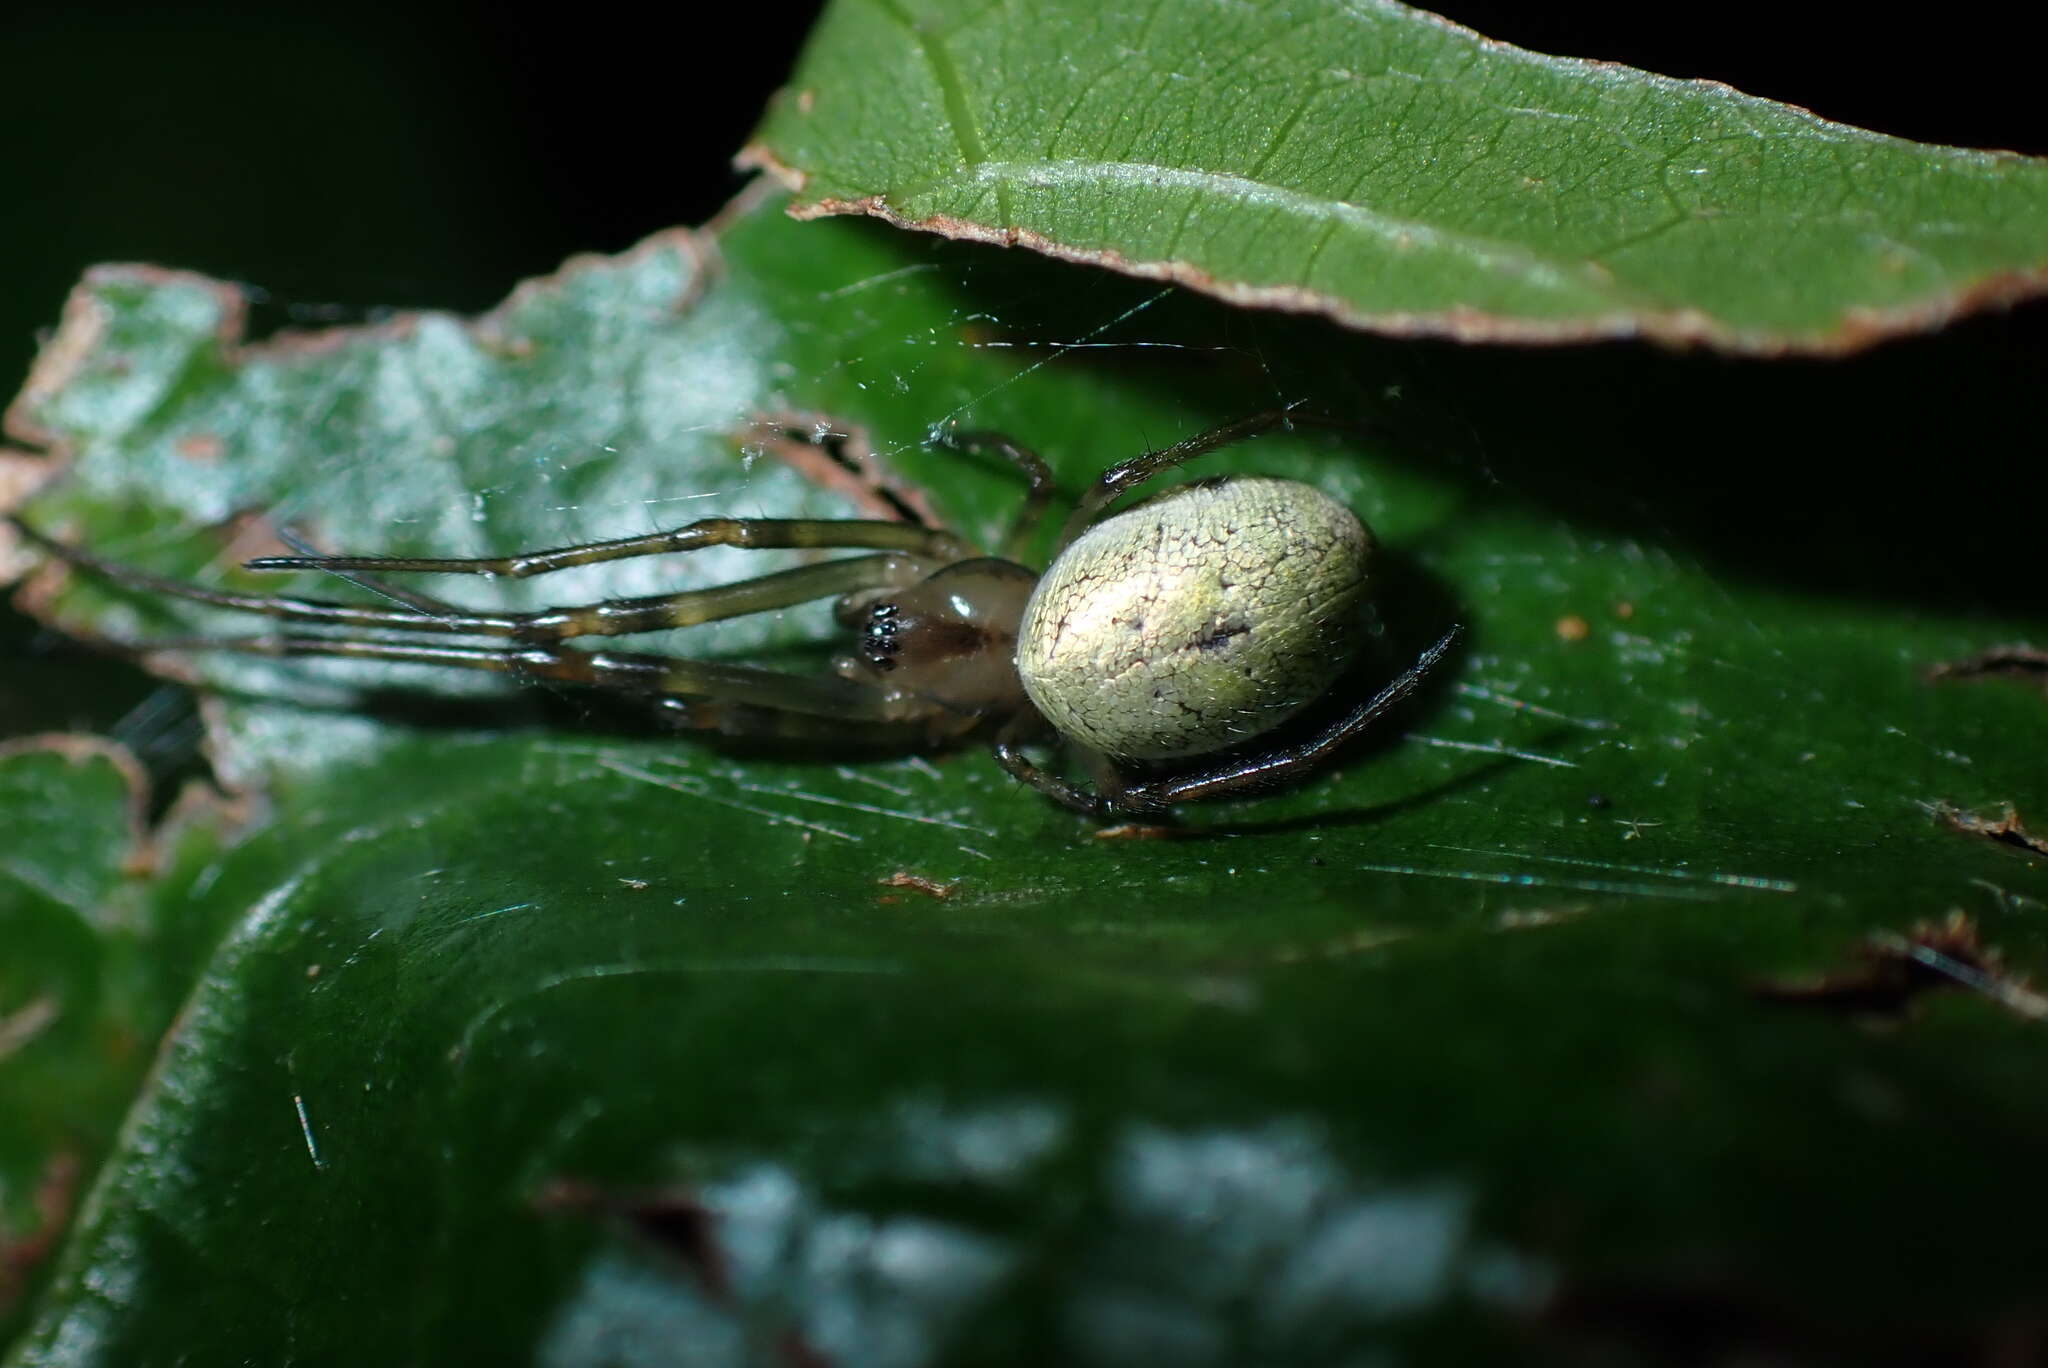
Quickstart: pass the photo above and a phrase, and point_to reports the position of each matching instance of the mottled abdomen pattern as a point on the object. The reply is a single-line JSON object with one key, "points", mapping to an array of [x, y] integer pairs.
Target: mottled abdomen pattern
{"points": [[1198, 619]]}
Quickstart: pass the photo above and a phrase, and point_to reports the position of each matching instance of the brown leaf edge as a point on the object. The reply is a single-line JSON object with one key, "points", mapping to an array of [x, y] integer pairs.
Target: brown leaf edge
{"points": [[2006, 829], [1678, 329], [1889, 972]]}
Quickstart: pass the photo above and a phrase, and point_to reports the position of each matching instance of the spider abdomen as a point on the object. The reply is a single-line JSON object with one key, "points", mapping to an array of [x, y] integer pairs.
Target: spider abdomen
{"points": [[1196, 620]]}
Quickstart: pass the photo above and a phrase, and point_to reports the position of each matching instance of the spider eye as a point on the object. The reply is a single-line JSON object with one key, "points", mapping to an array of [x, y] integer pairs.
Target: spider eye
{"points": [[879, 641]]}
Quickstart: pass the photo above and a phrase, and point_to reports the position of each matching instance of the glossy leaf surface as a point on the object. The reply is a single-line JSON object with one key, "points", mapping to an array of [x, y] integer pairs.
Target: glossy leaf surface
{"points": [[539, 1034]]}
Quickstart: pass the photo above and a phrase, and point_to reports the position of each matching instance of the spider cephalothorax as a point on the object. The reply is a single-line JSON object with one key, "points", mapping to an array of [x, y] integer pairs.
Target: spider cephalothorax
{"points": [[1173, 633], [948, 641]]}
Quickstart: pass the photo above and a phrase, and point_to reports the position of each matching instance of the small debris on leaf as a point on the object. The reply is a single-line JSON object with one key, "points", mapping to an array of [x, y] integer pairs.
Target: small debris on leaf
{"points": [[918, 882], [2018, 661], [1572, 627], [1136, 831], [2006, 829], [1893, 970]]}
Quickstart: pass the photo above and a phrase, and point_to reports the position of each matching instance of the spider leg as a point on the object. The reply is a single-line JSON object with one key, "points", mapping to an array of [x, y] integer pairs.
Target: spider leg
{"points": [[1008, 751], [750, 533], [610, 617], [1038, 492], [1151, 798], [425, 603], [1273, 768], [655, 676], [1128, 475]]}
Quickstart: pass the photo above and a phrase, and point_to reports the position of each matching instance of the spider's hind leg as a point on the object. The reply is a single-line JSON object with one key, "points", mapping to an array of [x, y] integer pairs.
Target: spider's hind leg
{"points": [[1288, 764], [1152, 799], [1111, 797]]}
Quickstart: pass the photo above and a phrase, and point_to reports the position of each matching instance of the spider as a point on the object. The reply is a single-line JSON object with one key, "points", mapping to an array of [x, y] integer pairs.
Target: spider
{"points": [[1163, 637]]}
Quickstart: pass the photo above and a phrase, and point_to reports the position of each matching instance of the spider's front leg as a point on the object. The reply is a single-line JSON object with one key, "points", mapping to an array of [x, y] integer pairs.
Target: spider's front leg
{"points": [[1038, 477], [755, 534], [897, 566], [740, 699]]}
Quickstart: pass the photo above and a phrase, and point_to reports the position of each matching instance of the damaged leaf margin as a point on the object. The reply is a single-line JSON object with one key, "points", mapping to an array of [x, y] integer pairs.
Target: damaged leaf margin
{"points": [[2006, 829], [80, 345], [1891, 971]]}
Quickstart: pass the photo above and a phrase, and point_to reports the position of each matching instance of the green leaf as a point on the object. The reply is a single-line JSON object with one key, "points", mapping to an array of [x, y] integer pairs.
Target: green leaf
{"points": [[87, 984], [1383, 167], [541, 1035]]}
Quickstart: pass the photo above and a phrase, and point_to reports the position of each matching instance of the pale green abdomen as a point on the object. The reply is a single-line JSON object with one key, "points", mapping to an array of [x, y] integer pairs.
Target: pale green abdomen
{"points": [[1196, 620]]}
